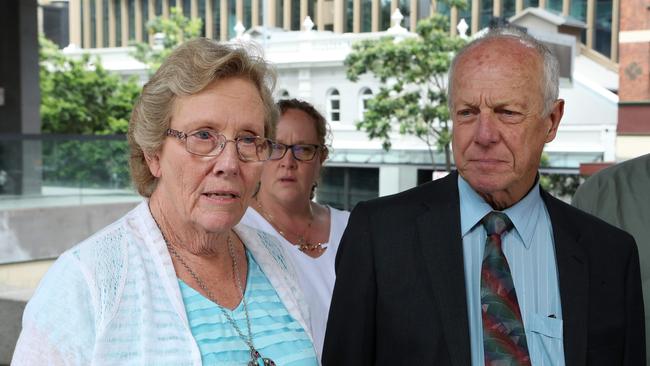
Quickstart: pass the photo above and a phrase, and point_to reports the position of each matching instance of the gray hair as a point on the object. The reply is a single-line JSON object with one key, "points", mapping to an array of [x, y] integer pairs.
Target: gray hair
{"points": [[189, 69], [551, 66]]}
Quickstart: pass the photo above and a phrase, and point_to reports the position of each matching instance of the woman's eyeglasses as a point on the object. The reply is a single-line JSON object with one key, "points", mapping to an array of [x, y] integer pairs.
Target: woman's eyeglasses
{"points": [[210, 143], [302, 152]]}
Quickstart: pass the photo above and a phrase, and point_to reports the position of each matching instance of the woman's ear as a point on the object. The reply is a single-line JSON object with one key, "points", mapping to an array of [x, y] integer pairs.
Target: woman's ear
{"points": [[324, 154], [153, 161]]}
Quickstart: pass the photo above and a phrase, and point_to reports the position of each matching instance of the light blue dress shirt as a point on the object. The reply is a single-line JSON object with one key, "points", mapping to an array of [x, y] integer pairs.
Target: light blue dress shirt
{"points": [[531, 256]]}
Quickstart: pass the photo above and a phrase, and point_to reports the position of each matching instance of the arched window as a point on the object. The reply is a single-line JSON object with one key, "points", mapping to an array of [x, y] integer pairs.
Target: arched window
{"points": [[364, 96], [334, 105]]}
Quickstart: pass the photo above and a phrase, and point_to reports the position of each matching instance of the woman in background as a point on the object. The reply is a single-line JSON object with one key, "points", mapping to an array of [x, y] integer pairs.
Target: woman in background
{"points": [[284, 207]]}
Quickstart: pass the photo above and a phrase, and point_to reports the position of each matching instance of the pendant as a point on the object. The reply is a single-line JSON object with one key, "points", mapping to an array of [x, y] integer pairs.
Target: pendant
{"points": [[258, 360]]}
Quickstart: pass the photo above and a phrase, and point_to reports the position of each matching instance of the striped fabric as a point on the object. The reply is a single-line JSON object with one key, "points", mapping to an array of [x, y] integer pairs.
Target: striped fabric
{"points": [[276, 335]]}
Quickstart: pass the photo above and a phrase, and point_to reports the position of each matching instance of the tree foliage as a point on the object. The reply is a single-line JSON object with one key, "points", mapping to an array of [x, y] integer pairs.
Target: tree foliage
{"points": [[173, 31], [80, 96], [413, 74]]}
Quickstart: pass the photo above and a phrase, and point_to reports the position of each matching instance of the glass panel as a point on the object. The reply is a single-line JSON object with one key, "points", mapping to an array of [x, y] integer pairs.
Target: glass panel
{"points": [[485, 14], [65, 186], [366, 15], [603, 29], [364, 185], [384, 15], [335, 104], [555, 5], [131, 7], [578, 9], [331, 188]]}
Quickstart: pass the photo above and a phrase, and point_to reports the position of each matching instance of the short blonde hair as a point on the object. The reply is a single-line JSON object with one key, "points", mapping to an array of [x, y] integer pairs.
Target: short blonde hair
{"points": [[189, 69]]}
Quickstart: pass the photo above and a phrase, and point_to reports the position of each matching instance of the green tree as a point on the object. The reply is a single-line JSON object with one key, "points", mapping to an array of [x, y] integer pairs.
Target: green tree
{"points": [[413, 94], [79, 96], [174, 30], [560, 185]]}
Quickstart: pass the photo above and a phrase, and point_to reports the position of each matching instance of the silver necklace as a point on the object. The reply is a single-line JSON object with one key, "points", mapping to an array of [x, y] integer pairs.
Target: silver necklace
{"points": [[255, 355], [313, 250]]}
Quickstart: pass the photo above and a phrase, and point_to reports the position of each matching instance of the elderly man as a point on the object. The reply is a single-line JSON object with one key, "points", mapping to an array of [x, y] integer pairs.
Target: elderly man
{"points": [[483, 267]]}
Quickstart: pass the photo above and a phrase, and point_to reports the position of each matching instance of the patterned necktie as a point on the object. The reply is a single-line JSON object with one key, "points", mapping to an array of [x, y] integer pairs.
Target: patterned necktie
{"points": [[504, 338]]}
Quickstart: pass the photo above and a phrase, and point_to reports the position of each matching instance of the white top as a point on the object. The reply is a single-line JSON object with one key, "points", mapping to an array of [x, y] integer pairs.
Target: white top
{"points": [[115, 299], [316, 275]]}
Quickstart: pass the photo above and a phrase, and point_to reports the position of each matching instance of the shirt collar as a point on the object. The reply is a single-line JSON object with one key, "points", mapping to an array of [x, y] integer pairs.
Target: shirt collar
{"points": [[473, 208]]}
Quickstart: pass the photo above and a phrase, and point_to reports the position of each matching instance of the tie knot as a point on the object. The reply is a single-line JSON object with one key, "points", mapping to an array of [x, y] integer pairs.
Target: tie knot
{"points": [[496, 223]]}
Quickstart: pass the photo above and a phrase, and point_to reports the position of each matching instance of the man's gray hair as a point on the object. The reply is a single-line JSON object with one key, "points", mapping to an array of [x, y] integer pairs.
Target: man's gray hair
{"points": [[551, 66]]}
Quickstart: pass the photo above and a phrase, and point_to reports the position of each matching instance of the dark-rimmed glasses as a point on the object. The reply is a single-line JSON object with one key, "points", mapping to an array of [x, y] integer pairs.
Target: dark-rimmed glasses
{"points": [[210, 143], [302, 152]]}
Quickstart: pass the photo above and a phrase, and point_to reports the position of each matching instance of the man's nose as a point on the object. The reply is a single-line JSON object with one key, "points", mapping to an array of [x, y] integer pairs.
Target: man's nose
{"points": [[487, 131]]}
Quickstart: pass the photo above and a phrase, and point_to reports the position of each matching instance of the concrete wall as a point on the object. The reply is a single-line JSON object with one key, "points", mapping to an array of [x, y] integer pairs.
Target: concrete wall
{"points": [[46, 232]]}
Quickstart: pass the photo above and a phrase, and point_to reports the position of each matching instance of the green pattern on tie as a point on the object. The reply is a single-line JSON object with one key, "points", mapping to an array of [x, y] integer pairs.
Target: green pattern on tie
{"points": [[504, 339]]}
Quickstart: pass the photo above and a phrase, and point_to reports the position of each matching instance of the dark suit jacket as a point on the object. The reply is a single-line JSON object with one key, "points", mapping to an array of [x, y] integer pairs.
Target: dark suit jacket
{"points": [[399, 297]]}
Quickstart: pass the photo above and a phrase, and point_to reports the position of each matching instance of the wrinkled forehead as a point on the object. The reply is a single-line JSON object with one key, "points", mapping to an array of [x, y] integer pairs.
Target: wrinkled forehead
{"points": [[501, 50]]}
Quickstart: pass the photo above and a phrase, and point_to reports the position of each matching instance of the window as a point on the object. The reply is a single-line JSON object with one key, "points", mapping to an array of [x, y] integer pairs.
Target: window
{"points": [[334, 106], [343, 187], [364, 96]]}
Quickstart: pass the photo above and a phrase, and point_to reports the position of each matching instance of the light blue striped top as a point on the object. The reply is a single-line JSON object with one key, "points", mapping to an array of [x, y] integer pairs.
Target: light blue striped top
{"points": [[276, 335], [531, 256]]}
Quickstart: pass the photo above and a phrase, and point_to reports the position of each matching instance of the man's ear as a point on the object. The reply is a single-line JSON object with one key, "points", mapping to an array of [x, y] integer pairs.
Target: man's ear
{"points": [[153, 161], [554, 118]]}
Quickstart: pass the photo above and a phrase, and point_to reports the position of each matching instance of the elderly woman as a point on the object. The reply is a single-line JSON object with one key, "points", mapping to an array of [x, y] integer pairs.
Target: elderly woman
{"points": [[284, 207], [175, 281]]}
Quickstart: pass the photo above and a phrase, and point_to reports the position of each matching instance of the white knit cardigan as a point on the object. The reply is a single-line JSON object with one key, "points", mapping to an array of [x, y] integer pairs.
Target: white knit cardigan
{"points": [[114, 299]]}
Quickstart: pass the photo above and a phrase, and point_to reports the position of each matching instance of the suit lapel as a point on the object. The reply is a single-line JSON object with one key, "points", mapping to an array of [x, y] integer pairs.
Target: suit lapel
{"points": [[442, 250], [573, 277]]}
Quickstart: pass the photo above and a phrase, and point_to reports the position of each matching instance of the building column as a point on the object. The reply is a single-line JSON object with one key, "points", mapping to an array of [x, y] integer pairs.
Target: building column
{"points": [[394, 4], [165, 8], [99, 24], [111, 23], [85, 21], [255, 13], [74, 23], [239, 11], [453, 20], [519, 6], [286, 14], [339, 11], [434, 7], [356, 16], [223, 17], [497, 8], [304, 11], [151, 13], [414, 15], [209, 19], [138, 21], [542, 4], [476, 16], [124, 23], [320, 17], [194, 8], [375, 16], [270, 15]]}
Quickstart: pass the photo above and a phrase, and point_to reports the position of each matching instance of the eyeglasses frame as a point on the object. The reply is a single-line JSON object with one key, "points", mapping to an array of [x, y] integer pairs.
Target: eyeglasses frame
{"points": [[318, 147], [182, 136]]}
